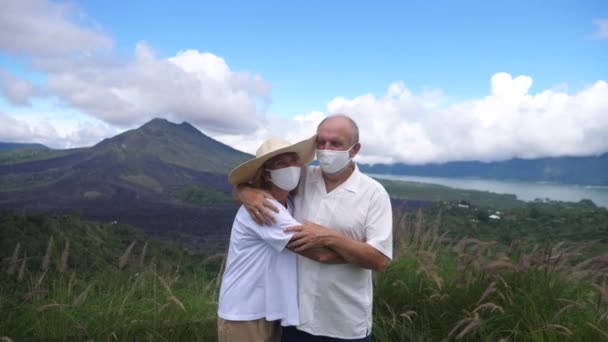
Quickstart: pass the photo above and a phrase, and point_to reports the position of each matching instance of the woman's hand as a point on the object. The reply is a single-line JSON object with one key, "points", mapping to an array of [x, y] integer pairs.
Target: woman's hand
{"points": [[257, 204]]}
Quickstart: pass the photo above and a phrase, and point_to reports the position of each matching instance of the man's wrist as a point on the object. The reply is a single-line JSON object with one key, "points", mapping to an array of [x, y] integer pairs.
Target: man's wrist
{"points": [[332, 239]]}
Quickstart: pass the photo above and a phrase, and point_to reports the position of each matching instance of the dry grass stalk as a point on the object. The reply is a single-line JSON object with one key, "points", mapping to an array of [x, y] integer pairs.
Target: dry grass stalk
{"points": [[469, 323], [142, 257], [63, 265], [124, 258], [71, 283], [417, 229], [408, 315], [35, 294], [489, 290], [566, 308], [164, 283], [427, 266], [602, 290], [5, 339], [474, 247], [52, 306], [220, 272], [177, 302], [599, 330], [39, 282], [558, 329], [498, 264], [393, 316], [471, 327], [22, 268], [429, 234], [82, 296], [46, 260], [489, 306], [12, 262]]}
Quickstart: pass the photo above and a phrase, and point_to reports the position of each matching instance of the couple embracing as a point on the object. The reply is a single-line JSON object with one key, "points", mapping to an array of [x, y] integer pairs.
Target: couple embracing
{"points": [[305, 242]]}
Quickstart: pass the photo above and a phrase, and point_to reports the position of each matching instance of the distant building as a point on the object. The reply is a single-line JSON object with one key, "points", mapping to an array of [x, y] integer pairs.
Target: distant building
{"points": [[460, 205], [494, 217]]}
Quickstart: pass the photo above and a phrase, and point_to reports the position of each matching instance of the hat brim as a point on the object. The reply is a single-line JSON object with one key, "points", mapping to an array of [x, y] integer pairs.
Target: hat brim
{"points": [[247, 170]]}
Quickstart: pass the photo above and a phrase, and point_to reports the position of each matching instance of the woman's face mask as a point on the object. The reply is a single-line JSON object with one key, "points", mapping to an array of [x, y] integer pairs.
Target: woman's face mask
{"points": [[286, 178], [333, 161]]}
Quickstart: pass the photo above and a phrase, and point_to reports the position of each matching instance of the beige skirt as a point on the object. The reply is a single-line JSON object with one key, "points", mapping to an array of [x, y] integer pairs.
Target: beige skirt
{"points": [[259, 330]]}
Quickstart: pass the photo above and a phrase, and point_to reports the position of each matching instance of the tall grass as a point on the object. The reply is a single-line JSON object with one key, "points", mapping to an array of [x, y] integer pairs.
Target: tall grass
{"points": [[159, 302], [437, 289], [440, 289]]}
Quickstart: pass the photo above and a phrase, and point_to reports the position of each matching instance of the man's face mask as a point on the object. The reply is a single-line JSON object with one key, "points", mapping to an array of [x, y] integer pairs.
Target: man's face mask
{"points": [[333, 161]]}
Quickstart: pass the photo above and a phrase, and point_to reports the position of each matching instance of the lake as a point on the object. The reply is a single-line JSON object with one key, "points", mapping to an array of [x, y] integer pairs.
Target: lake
{"points": [[526, 191]]}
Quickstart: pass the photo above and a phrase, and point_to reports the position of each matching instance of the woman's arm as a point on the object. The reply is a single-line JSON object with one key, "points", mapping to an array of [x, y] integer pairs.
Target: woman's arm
{"points": [[256, 202]]}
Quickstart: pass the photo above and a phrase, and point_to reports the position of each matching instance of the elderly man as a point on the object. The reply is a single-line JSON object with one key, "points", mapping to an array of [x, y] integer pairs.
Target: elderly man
{"points": [[347, 212]]}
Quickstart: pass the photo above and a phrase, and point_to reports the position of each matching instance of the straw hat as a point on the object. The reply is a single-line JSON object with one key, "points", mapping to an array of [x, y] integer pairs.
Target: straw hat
{"points": [[270, 148]]}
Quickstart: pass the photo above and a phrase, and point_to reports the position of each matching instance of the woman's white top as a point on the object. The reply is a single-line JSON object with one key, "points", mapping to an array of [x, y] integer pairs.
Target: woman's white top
{"points": [[260, 280]]}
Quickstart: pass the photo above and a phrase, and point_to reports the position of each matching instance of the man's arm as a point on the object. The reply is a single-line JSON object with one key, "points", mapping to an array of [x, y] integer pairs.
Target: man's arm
{"points": [[256, 202], [311, 236], [374, 253], [323, 255]]}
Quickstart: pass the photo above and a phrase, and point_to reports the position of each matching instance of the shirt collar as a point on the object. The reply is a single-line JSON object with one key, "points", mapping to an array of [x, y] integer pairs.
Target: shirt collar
{"points": [[350, 184]]}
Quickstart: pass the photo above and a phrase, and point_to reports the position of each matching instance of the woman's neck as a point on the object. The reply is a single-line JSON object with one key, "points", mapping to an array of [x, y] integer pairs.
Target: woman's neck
{"points": [[279, 194]]}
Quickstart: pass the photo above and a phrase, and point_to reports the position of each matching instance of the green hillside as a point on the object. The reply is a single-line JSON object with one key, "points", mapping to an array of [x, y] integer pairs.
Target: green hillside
{"points": [[181, 145]]}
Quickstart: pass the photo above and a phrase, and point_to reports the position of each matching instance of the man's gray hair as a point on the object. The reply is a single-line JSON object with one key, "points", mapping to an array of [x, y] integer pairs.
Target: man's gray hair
{"points": [[354, 127]]}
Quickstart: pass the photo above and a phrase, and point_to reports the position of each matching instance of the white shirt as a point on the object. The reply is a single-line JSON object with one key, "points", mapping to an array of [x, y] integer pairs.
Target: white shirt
{"points": [[336, 300], [260, 280]]}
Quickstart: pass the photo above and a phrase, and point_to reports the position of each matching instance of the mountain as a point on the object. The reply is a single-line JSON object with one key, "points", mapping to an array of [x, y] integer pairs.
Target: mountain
{"points": [[6, 146], [168, 179], [571, 170]]}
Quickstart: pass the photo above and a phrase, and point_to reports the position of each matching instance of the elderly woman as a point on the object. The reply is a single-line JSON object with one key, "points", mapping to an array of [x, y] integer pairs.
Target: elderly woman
{"points": [[259, 291]]}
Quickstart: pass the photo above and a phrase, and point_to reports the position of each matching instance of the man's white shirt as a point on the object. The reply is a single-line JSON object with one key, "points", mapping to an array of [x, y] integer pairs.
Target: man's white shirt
{"points": [[336, 299]]}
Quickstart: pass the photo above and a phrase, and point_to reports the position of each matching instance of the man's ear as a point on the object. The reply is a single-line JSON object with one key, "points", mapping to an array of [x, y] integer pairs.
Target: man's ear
{"points": [[355, 150]]}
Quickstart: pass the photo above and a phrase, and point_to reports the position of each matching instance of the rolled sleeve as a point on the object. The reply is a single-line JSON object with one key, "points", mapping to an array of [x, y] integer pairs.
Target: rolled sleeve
{"points": [[275, 234], [379, 225]]}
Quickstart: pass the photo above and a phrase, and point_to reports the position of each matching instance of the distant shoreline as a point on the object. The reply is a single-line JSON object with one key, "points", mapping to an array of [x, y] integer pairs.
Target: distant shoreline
{"points": [[524, 190]]}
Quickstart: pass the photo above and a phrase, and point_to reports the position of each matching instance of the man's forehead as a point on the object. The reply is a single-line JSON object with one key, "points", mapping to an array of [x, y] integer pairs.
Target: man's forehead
{"points": [[334, 130]]}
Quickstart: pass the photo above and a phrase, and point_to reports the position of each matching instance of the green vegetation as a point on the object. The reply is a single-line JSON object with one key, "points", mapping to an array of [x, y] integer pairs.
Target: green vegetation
{"points": [[91, 194], [64, 278], [143, 180], [21, 155], [26, 181], [444, 288], [200, 195], [536, 222], [454, 277], [435, 193]]}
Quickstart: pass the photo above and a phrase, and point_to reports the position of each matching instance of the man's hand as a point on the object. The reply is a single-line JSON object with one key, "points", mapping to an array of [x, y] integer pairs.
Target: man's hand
{"points": [[257, 204], [308, 235]]}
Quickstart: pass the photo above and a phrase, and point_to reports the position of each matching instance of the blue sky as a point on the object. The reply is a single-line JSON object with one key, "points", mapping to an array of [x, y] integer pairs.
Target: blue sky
{"points": [[320, 56], [346, 48]]}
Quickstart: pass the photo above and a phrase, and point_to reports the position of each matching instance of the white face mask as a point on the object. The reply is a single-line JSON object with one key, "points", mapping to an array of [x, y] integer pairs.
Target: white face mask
{"points": [[286, 178], [333, 161]]}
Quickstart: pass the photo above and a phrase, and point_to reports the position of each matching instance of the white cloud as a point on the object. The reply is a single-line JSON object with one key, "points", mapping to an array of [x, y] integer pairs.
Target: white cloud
{"points": [[115, 93], [44, 28], [82, 71], [192, 86], [602, 28], [17, 91], [52, 130], [402, 126], [510, 122], [14, 130]]}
